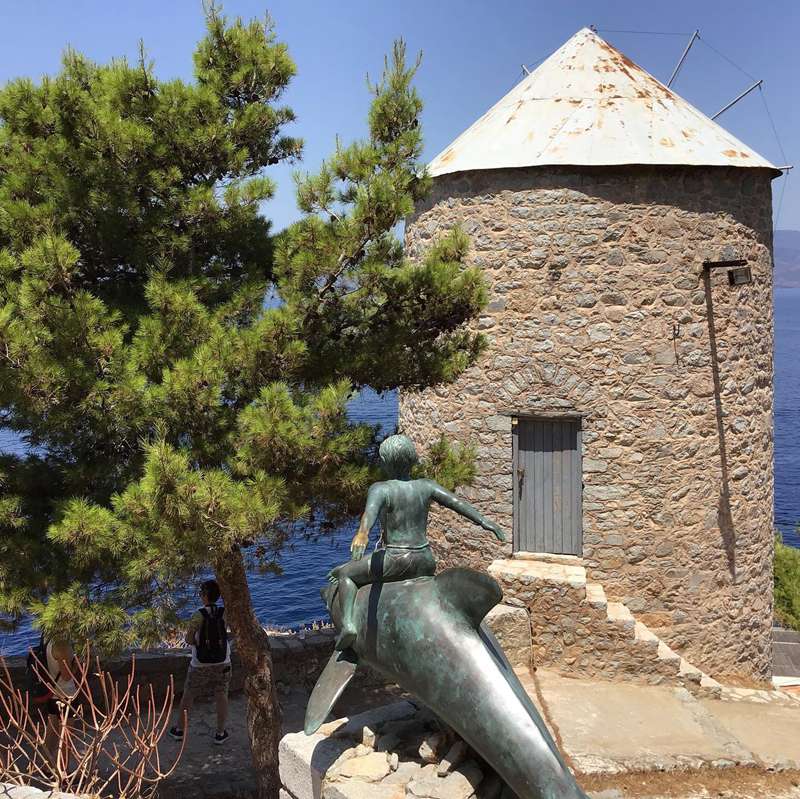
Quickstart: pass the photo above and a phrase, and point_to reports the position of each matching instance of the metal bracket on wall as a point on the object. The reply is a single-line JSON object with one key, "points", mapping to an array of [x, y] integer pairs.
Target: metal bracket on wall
{"points": [[739, 272], [724, 264]]}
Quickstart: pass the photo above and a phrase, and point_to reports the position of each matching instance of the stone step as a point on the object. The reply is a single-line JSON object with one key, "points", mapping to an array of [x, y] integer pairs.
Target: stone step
{"points": [[641, 632], [710, 683], [530, 571], [554, 590], [596, 595], [665, 653], [619, 614], [549, 557], [689, 672]]}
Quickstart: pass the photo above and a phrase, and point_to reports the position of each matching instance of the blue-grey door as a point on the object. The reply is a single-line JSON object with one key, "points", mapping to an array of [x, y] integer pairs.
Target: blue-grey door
{"points": [[547, 486]]}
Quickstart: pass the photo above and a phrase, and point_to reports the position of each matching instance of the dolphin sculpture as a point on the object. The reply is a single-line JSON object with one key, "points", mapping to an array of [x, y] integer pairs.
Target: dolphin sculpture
{"points": [[427, 635]]}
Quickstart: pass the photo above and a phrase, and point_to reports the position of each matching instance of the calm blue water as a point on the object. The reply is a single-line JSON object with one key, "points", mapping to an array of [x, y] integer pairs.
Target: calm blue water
{"points": [[787, 413], [292, 598]]}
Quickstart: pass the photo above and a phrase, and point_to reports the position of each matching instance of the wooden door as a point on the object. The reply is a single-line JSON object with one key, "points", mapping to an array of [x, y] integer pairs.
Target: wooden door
{"points": [[547, 486]]}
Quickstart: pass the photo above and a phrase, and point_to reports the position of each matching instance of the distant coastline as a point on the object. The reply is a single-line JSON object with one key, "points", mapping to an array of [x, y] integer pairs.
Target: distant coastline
{"points": [[787, 259]]}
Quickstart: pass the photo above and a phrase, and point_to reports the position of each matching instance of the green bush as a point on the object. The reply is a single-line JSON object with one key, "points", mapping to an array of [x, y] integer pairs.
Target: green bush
{"points": [[787, 585]]}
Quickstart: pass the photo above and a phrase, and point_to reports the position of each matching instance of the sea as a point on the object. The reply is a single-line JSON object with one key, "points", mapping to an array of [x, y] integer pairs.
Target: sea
{"points": [[291, 599]]}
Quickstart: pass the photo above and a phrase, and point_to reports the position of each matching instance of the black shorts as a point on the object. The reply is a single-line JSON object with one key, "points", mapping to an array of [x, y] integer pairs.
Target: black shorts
{"points": [[395, 564]]}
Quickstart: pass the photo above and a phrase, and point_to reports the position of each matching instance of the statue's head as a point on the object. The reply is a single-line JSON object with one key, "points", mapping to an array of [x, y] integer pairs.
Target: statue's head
{"points": [[398, 455]]}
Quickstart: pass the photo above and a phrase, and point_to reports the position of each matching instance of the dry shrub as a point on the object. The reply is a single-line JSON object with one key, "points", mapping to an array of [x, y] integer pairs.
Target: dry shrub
{"points": [[103, 741]]}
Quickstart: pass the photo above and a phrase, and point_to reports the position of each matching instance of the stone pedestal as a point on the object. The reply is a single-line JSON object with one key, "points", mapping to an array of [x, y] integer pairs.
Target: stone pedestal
{"points": [[392, 752]]}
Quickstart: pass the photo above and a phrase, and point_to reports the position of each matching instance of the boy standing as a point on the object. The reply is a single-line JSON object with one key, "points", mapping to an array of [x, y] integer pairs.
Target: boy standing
{"points": [[210, 666]]}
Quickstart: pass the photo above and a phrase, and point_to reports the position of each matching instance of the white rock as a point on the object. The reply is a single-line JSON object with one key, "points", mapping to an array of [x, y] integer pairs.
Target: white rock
{"points": [[331, 727], [368, 737], [407, 771], [429, 749], [370, 768], [362, 790], [458, 785], [334, 767]]}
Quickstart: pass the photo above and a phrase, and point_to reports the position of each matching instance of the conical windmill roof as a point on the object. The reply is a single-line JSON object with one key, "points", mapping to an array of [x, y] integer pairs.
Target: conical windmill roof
{"points": [[590, 105]]}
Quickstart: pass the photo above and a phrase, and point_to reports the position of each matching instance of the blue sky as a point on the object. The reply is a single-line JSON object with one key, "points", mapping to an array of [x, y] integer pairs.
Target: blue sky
{"points": [[472, 53]]}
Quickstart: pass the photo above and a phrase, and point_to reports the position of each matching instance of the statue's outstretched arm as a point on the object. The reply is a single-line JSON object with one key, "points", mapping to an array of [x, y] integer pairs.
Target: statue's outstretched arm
{"points": [[371, 511], [449, 500]]}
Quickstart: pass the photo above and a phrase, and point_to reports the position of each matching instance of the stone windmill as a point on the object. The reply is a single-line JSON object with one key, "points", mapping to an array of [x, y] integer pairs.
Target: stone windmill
{"points": [[623, 408]]}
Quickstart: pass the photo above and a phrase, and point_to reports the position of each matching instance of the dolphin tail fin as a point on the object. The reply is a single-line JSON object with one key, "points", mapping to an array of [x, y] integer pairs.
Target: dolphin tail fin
{"points": [[473, 593], [334, 679]]}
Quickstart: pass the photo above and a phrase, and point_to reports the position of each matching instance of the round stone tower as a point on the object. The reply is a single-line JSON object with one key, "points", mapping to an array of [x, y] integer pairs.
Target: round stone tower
{"points": [[622, 411]]}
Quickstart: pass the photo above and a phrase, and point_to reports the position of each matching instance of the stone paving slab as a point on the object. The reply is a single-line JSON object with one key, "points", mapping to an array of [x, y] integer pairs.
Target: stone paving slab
{"points": [[771, 733], [609, 727]]}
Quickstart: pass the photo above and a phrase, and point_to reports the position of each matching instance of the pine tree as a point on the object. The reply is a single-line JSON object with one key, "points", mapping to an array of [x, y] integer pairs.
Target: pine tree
{"points": [[176, 420]]}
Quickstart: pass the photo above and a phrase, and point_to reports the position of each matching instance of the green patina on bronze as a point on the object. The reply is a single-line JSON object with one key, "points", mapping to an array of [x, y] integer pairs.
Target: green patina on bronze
{"points": [[427, 634], [402, 505]]}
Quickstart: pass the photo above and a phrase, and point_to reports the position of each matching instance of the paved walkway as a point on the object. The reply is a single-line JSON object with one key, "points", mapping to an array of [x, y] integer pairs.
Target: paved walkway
{"points": [[607, 728], [626, 741]]}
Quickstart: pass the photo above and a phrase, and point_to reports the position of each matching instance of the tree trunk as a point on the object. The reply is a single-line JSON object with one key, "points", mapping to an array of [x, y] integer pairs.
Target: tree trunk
{"points": [[252, 645]]}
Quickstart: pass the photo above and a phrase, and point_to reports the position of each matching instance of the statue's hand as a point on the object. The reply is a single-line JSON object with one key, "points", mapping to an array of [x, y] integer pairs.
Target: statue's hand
{"points": [[498, 533], [358, 547]]}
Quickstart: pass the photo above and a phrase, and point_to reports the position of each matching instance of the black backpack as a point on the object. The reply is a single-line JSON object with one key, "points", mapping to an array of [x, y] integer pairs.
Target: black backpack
{"points": [[212, 638], [39, 681]]}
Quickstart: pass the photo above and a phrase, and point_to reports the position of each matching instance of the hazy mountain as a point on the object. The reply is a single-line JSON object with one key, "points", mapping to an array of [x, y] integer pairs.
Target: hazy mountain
{"points": [[787, 258]]}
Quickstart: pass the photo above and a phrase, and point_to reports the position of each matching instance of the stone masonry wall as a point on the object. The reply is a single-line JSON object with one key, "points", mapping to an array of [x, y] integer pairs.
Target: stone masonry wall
{"points": [[297, 661], [599, 307]]}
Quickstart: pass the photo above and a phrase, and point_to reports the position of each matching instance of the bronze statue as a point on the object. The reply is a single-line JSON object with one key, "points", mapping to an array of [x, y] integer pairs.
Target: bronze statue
{"points": [[402, 504], [426, 634]]}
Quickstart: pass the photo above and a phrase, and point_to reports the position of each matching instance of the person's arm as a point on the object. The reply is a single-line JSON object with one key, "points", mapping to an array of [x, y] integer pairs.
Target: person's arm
{"points": [[371, 511], [63, 655], [191, 629], [449, 500]]}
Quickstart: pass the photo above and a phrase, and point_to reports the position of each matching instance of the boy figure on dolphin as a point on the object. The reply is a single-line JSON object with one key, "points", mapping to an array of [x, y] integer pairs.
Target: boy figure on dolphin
{"points": [[402, 505]]}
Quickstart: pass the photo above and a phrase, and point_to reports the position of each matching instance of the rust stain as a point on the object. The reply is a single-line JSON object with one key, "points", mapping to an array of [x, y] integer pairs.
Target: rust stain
{"points": [[448, 156], [687, 134], [730, 153], [629, 68], [667, 142]]}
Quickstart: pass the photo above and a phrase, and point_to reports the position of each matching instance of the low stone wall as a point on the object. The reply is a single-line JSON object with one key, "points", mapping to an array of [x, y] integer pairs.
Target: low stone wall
{"points": [[298, 660]]}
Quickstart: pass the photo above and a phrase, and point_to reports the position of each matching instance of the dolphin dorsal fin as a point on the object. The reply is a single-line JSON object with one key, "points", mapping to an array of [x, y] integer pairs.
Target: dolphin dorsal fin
{"points": [[473, 593]]}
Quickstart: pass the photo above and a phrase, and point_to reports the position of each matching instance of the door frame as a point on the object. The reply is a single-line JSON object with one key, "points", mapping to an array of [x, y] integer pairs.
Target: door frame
{"points": [[516, 417]]}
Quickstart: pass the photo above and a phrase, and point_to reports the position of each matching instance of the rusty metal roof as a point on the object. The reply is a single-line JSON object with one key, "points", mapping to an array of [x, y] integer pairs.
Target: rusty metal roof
{"points": [[590, 105]]}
